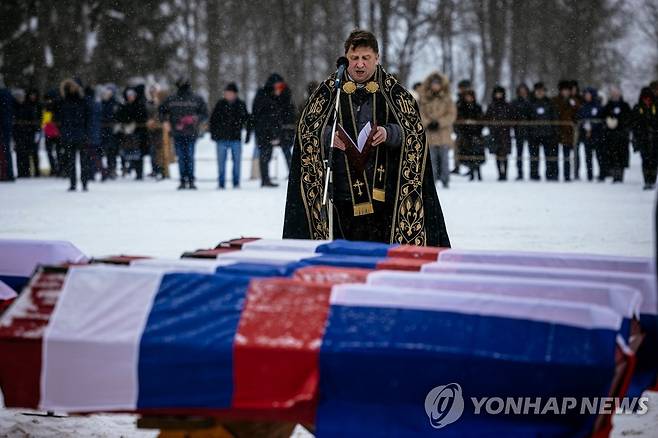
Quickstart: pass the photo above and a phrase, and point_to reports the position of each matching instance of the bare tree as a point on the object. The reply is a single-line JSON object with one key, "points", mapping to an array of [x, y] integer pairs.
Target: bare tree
{"points": [[649, 27]]}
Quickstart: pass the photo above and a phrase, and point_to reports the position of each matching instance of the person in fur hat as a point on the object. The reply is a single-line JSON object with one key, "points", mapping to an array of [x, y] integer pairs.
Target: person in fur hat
{"points": [[438, 112]]}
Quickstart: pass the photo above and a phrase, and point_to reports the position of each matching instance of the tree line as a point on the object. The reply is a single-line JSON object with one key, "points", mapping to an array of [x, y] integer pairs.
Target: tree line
{"points": [[213, 42]]}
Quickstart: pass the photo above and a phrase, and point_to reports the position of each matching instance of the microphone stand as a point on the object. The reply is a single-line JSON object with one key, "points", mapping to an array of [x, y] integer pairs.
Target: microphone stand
{"points": [[327, 198]]}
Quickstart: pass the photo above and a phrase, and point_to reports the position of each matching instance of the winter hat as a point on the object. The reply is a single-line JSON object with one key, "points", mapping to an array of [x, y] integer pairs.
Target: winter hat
{"points": [[564, 85], [232, 86], [646, 94], [498, 89], [465, 83], [183, 83], [593, 91]]}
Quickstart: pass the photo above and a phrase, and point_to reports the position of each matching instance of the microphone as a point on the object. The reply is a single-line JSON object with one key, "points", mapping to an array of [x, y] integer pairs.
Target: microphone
{"points": [[342, 64]]}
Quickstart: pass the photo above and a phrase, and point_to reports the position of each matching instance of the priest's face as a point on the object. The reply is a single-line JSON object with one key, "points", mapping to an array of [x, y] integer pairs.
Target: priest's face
{"points": [[363, 63]]}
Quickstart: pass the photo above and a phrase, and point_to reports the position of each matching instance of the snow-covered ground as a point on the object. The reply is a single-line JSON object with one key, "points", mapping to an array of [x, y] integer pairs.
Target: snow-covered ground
{"points": [[153, 218]]}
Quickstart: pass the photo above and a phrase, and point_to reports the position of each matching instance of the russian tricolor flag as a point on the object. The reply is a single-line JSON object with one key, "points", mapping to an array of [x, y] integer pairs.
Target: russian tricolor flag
{"points": [[223, 338], [354, 359]]}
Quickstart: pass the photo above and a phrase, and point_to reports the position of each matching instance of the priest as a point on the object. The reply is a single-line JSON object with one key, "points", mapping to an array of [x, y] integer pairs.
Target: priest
{"points": [[388, 194]]}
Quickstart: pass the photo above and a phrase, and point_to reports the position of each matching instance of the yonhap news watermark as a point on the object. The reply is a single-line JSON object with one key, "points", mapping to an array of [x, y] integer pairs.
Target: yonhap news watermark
{"points": [[445, 404]]}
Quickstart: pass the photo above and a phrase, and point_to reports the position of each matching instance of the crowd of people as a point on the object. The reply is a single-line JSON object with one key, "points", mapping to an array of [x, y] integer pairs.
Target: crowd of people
{"points": [[109, 133], [571, 121]]}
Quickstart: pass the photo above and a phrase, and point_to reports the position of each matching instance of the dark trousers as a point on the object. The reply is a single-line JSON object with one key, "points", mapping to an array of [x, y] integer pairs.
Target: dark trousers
{"points": [[520, 142], [138, 166], [566, 161], [533, 148], [110, 147], [54, 159], [72, 149], [550, 155], [264, 158], [27, 156], [576, 160], [501, 164], [22, 158], [649, 156], [185, 154], [265, 149], [589, 146], [6, 161]]}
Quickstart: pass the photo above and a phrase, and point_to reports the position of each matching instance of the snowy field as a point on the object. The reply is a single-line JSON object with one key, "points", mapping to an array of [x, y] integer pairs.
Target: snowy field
{"points": [[153, 218]]}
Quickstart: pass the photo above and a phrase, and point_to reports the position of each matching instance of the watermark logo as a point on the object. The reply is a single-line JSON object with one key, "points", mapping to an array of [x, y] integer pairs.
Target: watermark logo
{"points": [[444, 405]]}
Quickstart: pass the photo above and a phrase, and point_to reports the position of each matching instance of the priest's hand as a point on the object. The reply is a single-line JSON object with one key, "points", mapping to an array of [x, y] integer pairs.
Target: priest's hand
{"points": [[338, 143], [380, 136]]}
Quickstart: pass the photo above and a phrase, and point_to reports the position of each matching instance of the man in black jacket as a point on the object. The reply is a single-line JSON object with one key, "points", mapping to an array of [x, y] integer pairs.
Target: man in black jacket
{"points": [[616, 156], [27, 126], [184, 111], [522, 112], [543, 134], [109, 141], [226, 122], [73, 118], [274, 118]]}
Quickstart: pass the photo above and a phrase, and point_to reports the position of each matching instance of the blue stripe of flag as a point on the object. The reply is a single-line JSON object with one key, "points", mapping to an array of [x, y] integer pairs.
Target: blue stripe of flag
{"points": [[378, 364], [186, 350]]}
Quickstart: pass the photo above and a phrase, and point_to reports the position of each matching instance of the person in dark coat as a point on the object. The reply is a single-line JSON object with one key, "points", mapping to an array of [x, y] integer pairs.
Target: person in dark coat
{"points": [[226, 122], [543, 135], [52, 134], [566, 108], [576, 100], [273, 115], [522, 112], [72, 117], [94, 132], [184, 111], [27, 130], [617, 116], [133, 116], [590, 128], [109, 139], [645, 135], [462, 87], [500, 110], [470, 134], [6, 119]]}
